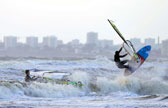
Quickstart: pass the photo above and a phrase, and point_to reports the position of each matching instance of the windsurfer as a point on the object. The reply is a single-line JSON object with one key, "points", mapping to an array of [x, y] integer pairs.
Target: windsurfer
{"points": [[119, 63], [28, 78]]}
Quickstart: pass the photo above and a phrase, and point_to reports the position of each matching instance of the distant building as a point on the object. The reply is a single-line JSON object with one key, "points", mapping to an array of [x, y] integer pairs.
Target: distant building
{"points": [[150, 41], [92, 38], [157, 46], [50, 41], [1, 45], [74, 42], [32, 41], [105, 43], [158, 40], [10, 41], [164, 48], [59, 42], [136, 42]]}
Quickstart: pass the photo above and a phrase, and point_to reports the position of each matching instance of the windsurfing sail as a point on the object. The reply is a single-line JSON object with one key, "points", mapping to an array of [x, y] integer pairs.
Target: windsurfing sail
{"points": [[128, 47], [118, 32], [49, 74], [130, 44]]}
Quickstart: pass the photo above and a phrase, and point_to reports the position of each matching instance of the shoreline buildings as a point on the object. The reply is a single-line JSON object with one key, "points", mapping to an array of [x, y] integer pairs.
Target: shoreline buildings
{"points": [[51, 46], [10, 42], [32, 41]]}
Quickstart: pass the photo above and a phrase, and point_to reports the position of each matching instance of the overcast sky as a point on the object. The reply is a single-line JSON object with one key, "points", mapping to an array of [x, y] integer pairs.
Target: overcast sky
{"points": [[72, 19]]}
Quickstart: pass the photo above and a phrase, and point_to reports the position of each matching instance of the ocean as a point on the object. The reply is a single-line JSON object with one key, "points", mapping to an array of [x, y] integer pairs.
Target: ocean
{"points": [[104, 85]]}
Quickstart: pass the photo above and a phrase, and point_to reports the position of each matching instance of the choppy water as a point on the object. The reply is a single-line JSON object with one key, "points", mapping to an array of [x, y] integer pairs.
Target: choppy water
{"points": [[104, 85]]}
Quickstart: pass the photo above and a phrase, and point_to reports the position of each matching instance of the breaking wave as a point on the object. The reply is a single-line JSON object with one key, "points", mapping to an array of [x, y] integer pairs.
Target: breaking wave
{"points": [[100, 86], [99, 77]]}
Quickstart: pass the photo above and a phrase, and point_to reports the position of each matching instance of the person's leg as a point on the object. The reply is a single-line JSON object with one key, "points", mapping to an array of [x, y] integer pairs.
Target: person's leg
{"points": [[126, 66], [121, 65], [124, 61]]}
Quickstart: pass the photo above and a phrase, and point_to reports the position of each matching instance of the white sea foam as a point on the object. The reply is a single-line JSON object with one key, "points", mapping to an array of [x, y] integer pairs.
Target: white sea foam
{"points": [[104, 84]]}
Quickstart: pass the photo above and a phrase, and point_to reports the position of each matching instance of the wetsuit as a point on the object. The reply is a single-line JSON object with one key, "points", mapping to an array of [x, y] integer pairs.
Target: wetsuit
{"points": [[120, 63], [28, 78]]}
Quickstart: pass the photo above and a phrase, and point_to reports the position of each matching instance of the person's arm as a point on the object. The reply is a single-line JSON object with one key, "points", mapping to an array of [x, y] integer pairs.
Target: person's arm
{"points": [[123, 55], [120, 50], [35, 78]]}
